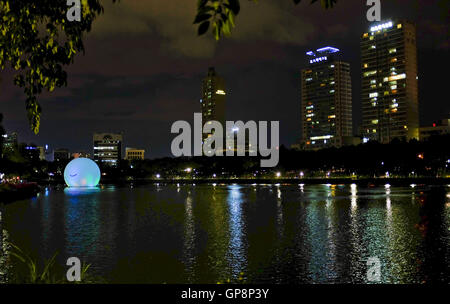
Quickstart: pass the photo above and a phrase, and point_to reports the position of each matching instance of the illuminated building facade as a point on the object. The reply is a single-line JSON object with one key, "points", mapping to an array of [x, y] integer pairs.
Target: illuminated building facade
{"points": [[134, 154], [326, 100], [10, 142], [389, 82], [213, 98], [441, 127], [107, 148]]}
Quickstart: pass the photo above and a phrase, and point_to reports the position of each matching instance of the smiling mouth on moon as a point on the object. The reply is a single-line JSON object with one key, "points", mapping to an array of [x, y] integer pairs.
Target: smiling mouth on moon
{"points": [[73, 175]]}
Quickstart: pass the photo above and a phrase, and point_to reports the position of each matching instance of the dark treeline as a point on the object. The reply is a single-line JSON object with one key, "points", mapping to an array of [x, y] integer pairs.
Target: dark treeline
{"points": [[398, 159]]}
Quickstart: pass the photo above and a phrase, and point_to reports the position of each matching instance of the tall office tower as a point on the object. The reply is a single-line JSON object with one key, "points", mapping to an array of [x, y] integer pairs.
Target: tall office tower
{"points": [[326, 100], [107, 148], [213, 98], [10, 142], [390, 104]]}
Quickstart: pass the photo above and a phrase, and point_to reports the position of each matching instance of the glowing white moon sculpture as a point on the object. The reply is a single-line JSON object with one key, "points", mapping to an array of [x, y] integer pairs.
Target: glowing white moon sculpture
{"points": [[82, 172]]}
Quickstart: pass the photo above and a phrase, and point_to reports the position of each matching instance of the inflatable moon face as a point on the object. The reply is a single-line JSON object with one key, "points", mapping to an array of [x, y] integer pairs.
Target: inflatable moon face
{"points": [[82, 172]]}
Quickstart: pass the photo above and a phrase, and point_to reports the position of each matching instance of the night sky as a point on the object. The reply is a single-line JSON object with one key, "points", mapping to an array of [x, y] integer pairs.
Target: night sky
{"points": [[144, 63]]}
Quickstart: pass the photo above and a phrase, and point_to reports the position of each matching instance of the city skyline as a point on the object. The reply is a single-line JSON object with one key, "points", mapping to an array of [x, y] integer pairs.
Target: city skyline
{"points": [[267, 77]]}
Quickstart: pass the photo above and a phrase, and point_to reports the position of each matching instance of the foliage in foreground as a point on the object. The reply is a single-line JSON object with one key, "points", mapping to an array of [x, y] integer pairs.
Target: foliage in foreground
{"points": [[48, 274], [38, 41]]}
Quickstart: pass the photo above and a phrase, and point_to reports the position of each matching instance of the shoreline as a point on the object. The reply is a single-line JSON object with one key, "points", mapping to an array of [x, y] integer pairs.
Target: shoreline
{"points": [[261, 181]]}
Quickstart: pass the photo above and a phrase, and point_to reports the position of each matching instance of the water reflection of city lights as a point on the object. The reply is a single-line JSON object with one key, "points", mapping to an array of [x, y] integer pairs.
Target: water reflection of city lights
{"points": [[75, 191]]}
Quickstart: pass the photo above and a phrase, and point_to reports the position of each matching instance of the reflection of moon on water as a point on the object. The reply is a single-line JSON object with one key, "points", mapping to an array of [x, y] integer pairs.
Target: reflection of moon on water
{"points": [[82, 172]]}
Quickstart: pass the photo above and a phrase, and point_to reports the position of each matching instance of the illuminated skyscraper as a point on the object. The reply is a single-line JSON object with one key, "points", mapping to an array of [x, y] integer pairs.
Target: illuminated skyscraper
{"points": [[326, 100], [389, 82], [213, 98], [107, 148]]}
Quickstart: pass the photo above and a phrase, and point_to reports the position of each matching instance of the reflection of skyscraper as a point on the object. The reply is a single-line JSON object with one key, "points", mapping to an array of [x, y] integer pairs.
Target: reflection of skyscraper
{"points": [[213, 98], [326, 100], [107, 148], [389, 82]]}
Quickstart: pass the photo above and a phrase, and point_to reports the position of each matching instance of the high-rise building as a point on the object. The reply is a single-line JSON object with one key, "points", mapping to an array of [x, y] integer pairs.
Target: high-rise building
{"points": [[390, 105], [107, 148], [10, 142], [213, 98], [326, 93]]}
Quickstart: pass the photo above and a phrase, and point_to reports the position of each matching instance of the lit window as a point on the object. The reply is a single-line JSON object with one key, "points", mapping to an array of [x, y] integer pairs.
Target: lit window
{"points": [[396, 77], [366, 65], [399, 26], [369, 73], [375, 121]]}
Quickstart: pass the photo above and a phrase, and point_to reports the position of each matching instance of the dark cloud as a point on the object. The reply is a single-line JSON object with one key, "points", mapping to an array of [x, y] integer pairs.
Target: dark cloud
{"points": [[144, 64]]}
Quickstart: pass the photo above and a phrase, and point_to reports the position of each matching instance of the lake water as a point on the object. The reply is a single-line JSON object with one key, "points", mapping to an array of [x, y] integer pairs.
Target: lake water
{"points": [[209, 233]]}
